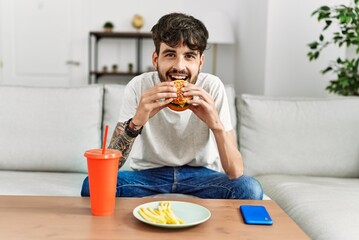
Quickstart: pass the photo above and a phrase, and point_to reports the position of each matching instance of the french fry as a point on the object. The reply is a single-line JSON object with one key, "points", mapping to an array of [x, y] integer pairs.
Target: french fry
{"points": [[144, 216], [163, 214], [150, 216], [151, 210], [173, 217]]}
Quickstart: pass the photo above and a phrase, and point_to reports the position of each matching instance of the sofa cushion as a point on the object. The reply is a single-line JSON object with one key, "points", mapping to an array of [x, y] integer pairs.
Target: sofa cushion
{"points": [[318, 137], [49, 129], [325, 208], [112, 105], [40, 183], [231, 96]]}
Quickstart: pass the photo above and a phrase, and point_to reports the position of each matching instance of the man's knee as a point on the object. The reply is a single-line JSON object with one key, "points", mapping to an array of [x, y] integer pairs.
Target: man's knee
{"points": [[85, 191], [256, 191], [249, 188]]}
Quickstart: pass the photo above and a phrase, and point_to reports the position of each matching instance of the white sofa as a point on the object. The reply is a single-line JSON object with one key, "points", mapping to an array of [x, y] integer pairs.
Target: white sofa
{"points": [[44, 133], [305, 152]]}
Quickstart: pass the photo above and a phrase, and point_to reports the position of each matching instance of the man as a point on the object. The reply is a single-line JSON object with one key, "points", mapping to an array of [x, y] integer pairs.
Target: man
{"points": [[191, 152]]}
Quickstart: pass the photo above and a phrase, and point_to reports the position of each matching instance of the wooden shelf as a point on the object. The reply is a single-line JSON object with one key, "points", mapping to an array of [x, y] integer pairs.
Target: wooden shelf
{"points": [[94, 39], [100, 34], [99, 73]]}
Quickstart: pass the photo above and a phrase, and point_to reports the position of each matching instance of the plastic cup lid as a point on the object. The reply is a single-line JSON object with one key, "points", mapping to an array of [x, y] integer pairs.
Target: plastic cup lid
{"points": [[97, 153]]}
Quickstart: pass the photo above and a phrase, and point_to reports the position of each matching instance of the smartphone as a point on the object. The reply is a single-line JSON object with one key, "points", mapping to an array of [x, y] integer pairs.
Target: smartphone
{"points": [[255, 214]]}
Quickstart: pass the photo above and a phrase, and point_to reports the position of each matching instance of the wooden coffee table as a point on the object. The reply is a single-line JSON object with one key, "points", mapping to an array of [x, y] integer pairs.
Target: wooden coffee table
{"points": [[25, 217]]}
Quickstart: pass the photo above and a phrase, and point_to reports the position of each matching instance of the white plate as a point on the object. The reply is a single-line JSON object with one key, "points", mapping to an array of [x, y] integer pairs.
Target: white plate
{"points": [[191, 213]]}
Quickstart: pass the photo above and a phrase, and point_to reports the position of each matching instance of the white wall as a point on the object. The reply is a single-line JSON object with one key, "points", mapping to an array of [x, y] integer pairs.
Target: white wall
{"points": [[121, 13], [269, 56], [251, 47], [274, 63]]}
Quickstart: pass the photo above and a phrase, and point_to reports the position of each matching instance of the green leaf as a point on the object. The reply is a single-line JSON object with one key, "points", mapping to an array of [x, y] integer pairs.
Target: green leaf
{"points": [[342, 19], [310, 56], [326, 70], [325, 8], [327, 24], [337, 39], [313, 45], [315, 12], [323, 15], [344, 82]]}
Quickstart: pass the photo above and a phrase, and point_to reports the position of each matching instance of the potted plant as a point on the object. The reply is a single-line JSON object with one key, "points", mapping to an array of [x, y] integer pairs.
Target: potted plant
{"points": [[114, 68], [346, 69], [130, 68], [108, 26]]}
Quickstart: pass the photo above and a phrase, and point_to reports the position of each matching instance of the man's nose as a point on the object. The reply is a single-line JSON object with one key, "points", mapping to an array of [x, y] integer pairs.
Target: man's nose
{"points": [[179, 63]]}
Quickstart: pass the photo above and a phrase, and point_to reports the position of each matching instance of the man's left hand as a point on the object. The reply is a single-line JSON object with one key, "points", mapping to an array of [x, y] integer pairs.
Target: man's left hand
{"points": [[203, 106]]}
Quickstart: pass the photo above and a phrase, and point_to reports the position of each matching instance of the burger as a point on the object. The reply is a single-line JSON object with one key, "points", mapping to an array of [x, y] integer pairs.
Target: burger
{"points": [[179, 103]]}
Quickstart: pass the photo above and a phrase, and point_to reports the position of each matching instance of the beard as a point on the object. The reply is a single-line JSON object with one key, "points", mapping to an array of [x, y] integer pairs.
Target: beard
{"points": [[166, 77]]}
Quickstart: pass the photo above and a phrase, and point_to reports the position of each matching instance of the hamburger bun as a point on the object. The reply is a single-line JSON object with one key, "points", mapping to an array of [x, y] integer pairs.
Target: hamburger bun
{"points": [[180, 103]]}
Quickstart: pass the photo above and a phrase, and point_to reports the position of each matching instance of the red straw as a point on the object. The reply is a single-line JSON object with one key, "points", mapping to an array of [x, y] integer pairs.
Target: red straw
{"points": [[104, 140]]}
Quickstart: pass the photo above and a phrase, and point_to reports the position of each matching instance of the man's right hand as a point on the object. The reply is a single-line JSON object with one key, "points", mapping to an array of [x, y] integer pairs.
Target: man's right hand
{"points": [[153, 100]]}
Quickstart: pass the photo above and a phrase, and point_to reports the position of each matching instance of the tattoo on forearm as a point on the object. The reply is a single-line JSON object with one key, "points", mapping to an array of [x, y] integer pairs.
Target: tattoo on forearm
{"points": [[120, 141]]}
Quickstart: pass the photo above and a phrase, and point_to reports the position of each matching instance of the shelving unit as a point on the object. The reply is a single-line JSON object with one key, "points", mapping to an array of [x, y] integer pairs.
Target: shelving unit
{"points": [[94, 39]]}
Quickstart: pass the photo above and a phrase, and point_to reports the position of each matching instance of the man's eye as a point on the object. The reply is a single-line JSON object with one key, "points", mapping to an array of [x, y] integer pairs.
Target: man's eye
{"points": [[169, 55]]}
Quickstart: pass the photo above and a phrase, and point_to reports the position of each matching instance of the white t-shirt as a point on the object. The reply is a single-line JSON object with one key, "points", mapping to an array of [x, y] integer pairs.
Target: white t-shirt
{"points": [[173, 138]]}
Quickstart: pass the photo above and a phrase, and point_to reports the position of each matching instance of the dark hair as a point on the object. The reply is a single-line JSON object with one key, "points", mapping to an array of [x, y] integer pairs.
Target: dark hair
{"points": [[176, 28]]}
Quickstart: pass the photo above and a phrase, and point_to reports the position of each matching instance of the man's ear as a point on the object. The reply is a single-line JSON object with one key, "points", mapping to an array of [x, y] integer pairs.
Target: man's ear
{"points": [[155, 59], [201, 62]]}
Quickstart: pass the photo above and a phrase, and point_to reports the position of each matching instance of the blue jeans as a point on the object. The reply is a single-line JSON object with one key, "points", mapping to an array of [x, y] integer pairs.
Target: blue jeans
{"points": [[197, 181]]}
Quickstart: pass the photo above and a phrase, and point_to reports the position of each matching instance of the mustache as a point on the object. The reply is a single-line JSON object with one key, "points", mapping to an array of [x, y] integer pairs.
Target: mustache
{"points": [[174, 71]]}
